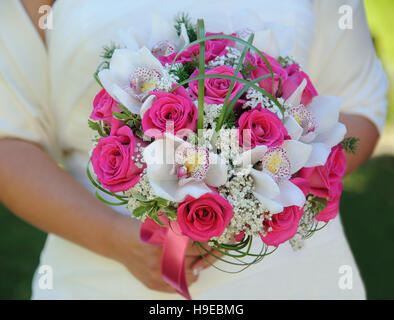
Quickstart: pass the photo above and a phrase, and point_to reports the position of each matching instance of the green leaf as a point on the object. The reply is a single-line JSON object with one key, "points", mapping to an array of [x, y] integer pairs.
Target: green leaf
{"points": [[183, 18], [139, 196], [120, 116], [318, 204], [103, 65], [124, 109], [108, 51], [350, 144], [93, 125], [141, 211], [162, 202], [157, 220], [96, 127], [170, 212]]}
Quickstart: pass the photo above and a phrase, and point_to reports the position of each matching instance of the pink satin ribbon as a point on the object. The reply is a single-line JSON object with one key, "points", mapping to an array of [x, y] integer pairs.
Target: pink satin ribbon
{"points": [[174, 248]]}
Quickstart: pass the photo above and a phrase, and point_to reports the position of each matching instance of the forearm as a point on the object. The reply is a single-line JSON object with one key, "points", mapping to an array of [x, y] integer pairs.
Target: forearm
{"points": [[363, 129], [41, 193]]}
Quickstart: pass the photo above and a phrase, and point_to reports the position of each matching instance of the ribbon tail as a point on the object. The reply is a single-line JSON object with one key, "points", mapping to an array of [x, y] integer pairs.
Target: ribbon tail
{"points": [[173, 262]]}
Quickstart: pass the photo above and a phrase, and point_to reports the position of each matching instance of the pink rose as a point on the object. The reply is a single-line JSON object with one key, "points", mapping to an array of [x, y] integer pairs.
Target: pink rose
{"points": [[190, 54], [294, 79], [216, 89], [322, 178], [219, 45], [262, 69], [326, 181], [103, 106], [203, 218], [332, 209], [112, 162], [283, 226], [264, 128], [174, 111]]}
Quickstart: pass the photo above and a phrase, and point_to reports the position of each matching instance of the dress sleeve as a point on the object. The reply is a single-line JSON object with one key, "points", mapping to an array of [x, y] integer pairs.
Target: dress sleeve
{"points": [[343, 62], [24, 94]]}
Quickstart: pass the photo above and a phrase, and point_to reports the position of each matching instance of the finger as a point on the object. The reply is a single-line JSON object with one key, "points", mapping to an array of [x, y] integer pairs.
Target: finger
{"points": [[205, 261], [191, 277], [160, 285], [194, 249]]}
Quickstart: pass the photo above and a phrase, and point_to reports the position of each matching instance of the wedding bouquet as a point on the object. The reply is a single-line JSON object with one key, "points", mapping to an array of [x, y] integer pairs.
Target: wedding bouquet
{"points": [[214, 137]]}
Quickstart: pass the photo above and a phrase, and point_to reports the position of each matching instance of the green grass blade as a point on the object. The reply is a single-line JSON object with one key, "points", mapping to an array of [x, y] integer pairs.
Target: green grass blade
{"points": [[223, 112], [201, 72]]}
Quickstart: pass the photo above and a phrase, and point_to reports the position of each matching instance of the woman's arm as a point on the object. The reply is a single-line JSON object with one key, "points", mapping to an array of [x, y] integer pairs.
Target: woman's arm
{"points": [[363, 129], [39, 192]]}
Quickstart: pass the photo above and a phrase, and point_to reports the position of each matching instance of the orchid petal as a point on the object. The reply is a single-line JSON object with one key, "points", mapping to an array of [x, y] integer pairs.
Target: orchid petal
{"points": [[132, 104], [319, 155], [107, 81], [290, 195], [293, 128], [269, 204], [194, 188], [217, 172], [184, 37], [148, 60], [295, 98], [147, 104], [264, 184], [325, 110], [298, 154], [309, 137], [334, 136], [122, 65], [162, 30], [251, 156], [162, 182]]}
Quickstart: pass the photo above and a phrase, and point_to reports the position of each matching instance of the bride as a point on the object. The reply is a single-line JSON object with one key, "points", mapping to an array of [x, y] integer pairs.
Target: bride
{"points": [[46, 92]]}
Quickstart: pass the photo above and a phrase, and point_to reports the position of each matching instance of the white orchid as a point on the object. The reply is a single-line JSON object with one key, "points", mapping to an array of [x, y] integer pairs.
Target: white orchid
{"points": [[131, 76], [316, 124], [176, 168], [271, 169], [271, 38], [162, 36]]}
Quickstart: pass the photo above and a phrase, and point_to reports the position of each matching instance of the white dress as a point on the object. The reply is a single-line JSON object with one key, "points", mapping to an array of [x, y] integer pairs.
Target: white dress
{"points": [[46, 97]]}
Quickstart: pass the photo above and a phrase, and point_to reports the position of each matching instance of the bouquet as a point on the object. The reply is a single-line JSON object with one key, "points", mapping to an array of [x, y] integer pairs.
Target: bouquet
{"points": [[214, 137]]}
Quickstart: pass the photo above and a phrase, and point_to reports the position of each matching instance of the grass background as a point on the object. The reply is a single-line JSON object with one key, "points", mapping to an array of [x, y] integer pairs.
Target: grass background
{"points": [[367, 205]]}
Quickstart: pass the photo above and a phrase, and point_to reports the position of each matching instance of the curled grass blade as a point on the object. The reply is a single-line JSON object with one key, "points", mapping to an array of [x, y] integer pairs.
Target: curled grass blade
{"points": [[92, 180], [108, 202]]}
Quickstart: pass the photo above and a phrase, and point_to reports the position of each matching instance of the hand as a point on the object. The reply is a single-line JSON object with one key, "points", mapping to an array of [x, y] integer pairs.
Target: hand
{"points": [[144, 260]]}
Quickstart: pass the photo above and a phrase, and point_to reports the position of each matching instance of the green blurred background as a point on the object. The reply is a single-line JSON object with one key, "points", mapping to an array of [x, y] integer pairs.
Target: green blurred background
{"points": [[367, 205]]}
